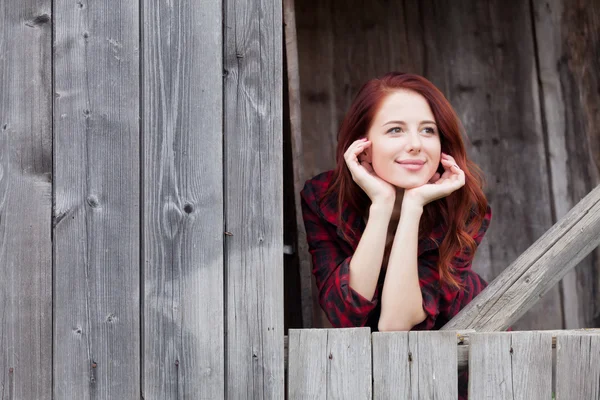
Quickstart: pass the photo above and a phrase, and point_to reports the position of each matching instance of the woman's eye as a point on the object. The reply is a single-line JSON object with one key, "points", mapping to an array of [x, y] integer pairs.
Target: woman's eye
{"points": [[429, 130], [395, 129]]}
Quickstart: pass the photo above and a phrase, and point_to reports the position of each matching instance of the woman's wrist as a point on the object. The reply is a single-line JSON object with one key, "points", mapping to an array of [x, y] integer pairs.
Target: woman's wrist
{"points": [[382, 208], [411, 205]]}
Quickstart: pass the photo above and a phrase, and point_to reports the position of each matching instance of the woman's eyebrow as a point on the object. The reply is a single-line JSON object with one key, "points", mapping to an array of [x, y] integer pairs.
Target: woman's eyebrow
{"points": [[404, 123]]}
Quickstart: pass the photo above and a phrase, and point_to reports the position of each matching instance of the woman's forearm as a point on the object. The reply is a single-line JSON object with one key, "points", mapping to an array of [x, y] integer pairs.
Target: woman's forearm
{"points": [[365, 264], [401, 300]]}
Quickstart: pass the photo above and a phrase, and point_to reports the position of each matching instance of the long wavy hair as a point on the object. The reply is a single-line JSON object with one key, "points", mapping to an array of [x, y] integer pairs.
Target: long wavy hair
{"points": [[460, 213]]}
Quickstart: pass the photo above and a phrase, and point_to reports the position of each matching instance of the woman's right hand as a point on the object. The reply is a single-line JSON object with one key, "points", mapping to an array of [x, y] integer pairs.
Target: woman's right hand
{"points": [[363, 174]]}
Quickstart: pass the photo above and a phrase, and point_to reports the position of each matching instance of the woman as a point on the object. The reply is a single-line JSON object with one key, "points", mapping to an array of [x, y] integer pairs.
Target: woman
{"points": [[393, 229]]}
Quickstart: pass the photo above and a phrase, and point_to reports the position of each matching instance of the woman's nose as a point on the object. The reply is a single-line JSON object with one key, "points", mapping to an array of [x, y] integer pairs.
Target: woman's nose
{"points": [[414, 142]]}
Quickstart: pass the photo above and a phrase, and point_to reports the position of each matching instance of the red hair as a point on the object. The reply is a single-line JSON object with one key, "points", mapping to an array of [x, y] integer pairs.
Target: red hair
{"points": [[461, 212]]}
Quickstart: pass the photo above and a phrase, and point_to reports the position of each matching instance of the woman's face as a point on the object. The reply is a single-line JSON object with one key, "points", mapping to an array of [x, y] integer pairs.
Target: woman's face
{"points": [[406, 148]]}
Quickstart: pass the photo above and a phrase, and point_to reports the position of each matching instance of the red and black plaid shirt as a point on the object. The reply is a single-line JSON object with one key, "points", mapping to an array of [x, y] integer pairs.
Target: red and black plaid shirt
{"points": [[331, 255]]}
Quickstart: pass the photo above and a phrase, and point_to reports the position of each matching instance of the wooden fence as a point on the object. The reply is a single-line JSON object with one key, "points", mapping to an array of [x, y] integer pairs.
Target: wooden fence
{"points": [[141, 238], [355, 364]]}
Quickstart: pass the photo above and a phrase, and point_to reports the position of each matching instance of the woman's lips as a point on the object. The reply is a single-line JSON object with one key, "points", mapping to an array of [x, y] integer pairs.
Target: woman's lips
{"points": [[412, 166]]}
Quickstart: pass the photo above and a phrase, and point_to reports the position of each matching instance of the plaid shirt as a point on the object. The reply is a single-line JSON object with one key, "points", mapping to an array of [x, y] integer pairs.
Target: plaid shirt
{"points": [[331, 255]]}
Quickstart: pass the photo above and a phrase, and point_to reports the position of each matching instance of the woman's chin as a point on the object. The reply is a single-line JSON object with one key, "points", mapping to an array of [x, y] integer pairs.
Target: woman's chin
{"points": [[407, 184]]}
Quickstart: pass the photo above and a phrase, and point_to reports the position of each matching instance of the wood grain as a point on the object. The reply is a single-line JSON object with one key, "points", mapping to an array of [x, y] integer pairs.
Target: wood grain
{"points": [[26, 199], [182, 155], [97, 196], [330, 364], [253, 182], [422, 365], [577, 367], [510, 365], [570, 132]]}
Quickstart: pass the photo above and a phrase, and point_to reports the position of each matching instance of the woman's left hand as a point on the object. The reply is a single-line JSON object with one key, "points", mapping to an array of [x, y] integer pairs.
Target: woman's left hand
{"points": [[451, 180]]}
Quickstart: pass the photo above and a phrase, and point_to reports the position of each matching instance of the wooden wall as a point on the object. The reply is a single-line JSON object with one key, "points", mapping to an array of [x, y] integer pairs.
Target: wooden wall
{"points": [[523, 77], [141, 228]]}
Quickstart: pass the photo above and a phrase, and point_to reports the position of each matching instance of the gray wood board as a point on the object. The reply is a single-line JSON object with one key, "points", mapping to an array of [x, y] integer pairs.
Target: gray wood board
{"points": [[510, 365], [293, 82], [182, 156], [253, 182], [26, 199], [567, 33], [577, 367], [330, 364], [535, 271], [421, 365], [97, 195]]}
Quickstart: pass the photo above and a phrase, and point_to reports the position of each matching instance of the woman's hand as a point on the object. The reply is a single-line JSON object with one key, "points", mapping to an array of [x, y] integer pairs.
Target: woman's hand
{"points": [[451, 180], [362, 172]]}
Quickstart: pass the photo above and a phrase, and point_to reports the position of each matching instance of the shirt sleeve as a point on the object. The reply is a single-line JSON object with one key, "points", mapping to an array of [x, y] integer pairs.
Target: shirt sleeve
{"points": [[343, 306]]}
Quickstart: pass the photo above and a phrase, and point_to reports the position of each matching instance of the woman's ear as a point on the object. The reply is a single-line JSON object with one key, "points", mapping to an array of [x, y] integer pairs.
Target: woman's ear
{"points": [[367, 155]]}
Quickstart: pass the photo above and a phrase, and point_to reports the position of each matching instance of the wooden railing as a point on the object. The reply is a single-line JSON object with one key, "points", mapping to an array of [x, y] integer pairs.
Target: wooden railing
{"points": [[355, 364]]}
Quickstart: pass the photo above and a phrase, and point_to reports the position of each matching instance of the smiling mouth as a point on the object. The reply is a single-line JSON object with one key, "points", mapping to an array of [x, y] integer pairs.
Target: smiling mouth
{"points": [[412, 166]]}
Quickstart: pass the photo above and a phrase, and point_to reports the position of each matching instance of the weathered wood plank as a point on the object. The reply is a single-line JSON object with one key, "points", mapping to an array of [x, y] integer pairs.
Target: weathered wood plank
{"points": [[349, 369], [26, 199], [391, 365], [538, 269], [577, 367], [330, 364], [293, 83], [315, 69], [436, 362], [97, 193], [421, 364], [182, 93], [510, 365], [307, 372], [569, 137], [481, 55], [253, 205]]}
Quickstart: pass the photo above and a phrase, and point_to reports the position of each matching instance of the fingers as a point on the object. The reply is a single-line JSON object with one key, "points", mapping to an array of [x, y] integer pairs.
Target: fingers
{"points": [[452, 170], [352, 153]]}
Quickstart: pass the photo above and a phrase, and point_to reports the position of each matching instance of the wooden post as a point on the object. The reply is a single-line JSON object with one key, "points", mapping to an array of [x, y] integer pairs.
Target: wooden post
{"points": [[537, 270]]}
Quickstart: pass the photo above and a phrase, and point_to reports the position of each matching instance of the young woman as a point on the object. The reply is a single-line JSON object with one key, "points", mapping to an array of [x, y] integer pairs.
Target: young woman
{"points": [[393, 229]]}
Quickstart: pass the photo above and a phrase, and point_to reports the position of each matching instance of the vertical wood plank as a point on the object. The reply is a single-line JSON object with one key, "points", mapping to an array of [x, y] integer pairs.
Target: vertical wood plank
{"points": [[392, 365], [481, 55], [435, 362], [295, 117], [577, 367], [26, 199], [307, 364], [419, 365], [566, 35], [349, 371], [253, 205], [510, 365], [489, 366], [97, 189], [182, 92]]}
